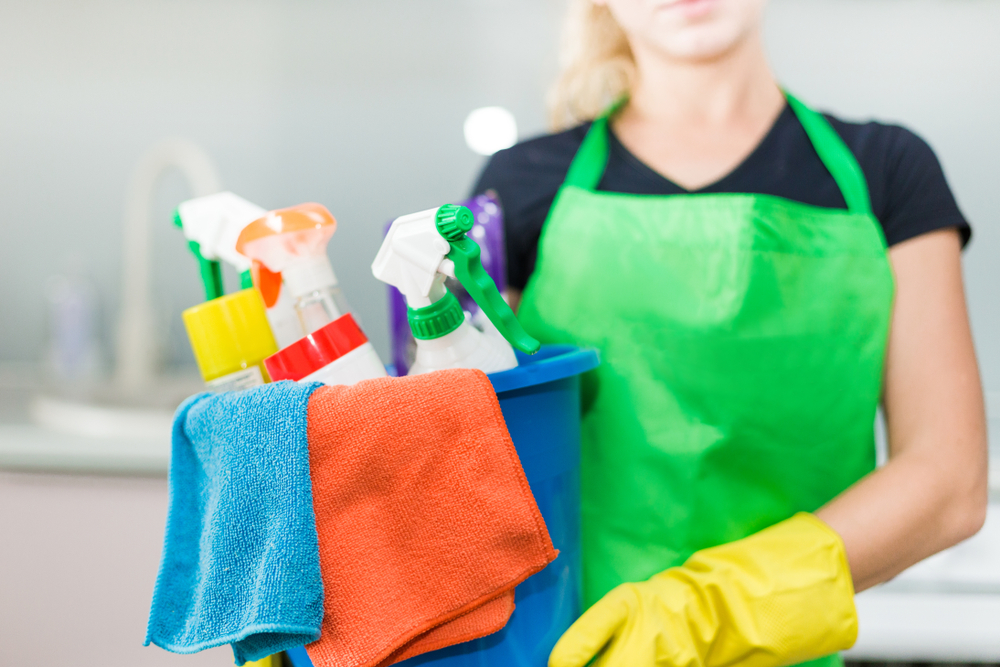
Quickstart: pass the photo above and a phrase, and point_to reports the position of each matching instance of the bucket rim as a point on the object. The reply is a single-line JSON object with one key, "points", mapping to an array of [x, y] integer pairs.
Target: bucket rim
{"points": [[549, 364]]}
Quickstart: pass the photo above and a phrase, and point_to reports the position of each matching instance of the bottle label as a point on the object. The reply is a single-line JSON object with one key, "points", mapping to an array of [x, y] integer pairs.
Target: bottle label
{"points": [[238, 381]]}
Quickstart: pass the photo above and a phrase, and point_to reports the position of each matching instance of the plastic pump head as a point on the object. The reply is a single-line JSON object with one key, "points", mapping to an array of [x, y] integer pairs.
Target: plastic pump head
{"points": [[289, 241], [211, 225], [419, 251]]}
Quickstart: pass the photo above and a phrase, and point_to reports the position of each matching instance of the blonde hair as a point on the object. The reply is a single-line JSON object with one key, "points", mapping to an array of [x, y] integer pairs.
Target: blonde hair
{"points": [[596, 65]]}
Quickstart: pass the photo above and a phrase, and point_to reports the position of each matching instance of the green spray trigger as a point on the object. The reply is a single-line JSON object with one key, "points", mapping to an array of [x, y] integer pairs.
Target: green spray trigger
{"points": [[452, 223], [211, 270], [211, 273]]}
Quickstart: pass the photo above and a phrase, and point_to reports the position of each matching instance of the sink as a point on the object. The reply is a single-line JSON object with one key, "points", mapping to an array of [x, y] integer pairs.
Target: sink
{"points": [[101, 433], [109, 411]]}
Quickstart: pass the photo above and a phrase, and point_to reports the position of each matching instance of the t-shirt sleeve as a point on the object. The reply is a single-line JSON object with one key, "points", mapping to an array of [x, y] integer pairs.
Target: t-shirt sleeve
{"points": [[524, 211], [916, 198], [526, 178]]}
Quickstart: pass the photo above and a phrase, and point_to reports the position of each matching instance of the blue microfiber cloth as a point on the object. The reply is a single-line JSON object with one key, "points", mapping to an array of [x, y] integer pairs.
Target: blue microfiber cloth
{"points": [[240, 557]]}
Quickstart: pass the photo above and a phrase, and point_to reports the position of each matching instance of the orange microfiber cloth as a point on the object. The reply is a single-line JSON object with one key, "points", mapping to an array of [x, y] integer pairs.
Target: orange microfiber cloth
{"points": [[425, 519]]}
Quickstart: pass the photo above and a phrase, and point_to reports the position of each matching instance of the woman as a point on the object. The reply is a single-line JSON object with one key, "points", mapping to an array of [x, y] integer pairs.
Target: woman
{"points": [[757, 277]]}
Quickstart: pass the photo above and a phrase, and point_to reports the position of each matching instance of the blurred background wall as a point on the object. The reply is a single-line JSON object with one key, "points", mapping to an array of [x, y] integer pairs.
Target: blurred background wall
{"points": [[358, 105], [934, 66]]}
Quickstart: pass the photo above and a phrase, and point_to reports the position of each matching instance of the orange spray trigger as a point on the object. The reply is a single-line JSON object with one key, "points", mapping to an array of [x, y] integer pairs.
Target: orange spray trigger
{"points": [[267, 282]]}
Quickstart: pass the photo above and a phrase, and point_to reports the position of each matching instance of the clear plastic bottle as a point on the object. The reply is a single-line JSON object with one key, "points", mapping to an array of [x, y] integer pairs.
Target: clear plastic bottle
{"points": [[288, 246], [318, 298]]}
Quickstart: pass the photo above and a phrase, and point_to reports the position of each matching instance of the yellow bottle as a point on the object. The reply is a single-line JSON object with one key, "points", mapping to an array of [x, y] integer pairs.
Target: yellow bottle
{"points": [[231, 338]]}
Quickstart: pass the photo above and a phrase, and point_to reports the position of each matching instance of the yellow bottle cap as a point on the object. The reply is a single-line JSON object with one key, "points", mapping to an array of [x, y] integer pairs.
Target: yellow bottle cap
{"points": [[229, 334]]}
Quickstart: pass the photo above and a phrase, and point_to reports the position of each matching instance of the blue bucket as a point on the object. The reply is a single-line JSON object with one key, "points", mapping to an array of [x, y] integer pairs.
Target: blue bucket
{"points": [[540, 400]]}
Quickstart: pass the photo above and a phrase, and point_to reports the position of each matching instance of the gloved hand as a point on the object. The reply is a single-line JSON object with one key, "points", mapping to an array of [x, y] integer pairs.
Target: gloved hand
{"points": [[778, 597]]}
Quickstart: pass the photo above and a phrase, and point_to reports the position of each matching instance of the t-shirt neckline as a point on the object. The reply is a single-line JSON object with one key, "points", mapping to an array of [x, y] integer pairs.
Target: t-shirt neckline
{"points": [[718, 185]]}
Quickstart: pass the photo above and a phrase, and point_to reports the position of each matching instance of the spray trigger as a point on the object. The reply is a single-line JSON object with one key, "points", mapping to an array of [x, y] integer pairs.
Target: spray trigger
{"points": [[452, 223], [211, 273]]}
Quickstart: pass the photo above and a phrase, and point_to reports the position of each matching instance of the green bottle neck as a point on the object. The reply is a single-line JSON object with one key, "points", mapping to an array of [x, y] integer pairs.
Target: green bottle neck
{"points": [[436, 320]]}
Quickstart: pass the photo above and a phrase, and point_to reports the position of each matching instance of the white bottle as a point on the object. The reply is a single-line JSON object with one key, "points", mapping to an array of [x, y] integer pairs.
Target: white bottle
{"points": [[336, 354], [465, 347], [418, 252]]}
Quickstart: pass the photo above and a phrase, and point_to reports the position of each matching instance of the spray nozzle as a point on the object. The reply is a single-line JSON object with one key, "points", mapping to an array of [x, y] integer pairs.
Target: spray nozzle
{"points": [[289, 244], [419, 251], [211, 225]]}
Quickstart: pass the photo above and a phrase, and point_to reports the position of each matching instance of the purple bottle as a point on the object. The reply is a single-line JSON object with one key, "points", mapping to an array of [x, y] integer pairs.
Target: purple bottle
{"points": [[487, 231]]}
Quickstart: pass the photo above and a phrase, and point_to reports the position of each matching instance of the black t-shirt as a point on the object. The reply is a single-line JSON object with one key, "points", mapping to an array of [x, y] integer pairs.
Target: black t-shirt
{"points": [[909, 194]]}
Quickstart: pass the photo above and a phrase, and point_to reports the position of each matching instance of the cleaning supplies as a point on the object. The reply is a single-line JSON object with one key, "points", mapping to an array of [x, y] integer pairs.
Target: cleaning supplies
{"points": [[488, 233], [231, 338], [425, 519], [269, 661], [241, 558], [418, 253], [346, 549], [338, 353], [289, 245], [540, 401], [212, 225]]}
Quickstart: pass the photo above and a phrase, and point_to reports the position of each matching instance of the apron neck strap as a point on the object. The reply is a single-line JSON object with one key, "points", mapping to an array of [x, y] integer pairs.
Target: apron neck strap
{"points": [[836, 156], [592, 157]]}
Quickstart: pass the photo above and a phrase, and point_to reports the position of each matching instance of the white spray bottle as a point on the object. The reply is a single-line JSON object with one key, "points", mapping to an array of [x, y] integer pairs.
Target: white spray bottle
{"points": [[212, 225], [289, 245], [420, 250]]}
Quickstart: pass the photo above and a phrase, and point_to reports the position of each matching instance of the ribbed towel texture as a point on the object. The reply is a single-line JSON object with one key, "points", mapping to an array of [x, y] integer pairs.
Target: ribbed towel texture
{"points": [[240, 560], [425, 519]]}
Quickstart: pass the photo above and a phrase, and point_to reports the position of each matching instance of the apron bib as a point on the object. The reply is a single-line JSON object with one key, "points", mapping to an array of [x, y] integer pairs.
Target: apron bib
{"points": [[742, 339]]}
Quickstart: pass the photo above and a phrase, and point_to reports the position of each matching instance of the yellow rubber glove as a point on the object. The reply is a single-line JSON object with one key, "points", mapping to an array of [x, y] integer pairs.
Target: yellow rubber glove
{"points": [[778, 597]]}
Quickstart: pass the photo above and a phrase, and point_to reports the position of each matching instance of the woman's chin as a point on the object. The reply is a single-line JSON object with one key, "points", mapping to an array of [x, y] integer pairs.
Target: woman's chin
{"points": [[701, 30], [699, 45]]}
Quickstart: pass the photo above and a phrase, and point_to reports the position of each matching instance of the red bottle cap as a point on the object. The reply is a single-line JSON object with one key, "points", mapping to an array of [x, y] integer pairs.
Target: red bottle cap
{"points": [[311, 353]]}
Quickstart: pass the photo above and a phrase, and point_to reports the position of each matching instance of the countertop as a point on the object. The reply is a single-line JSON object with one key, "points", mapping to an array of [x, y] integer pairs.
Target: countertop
{"points": [[26, 447]]}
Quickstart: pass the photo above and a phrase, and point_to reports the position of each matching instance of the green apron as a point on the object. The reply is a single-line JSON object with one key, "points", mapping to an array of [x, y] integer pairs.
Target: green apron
{"points": [[742, 339]]}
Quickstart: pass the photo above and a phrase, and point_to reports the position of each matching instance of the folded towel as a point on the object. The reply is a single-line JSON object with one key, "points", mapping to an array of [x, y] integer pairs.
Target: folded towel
{"points": [[240, 558], [425, 519]]}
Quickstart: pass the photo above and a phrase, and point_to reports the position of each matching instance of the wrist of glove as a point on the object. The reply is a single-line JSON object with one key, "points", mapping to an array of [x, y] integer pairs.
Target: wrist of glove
{"points": [[778, 597]]}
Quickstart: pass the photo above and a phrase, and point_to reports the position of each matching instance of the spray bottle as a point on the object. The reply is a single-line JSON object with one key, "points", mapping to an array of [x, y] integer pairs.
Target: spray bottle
{"points": [[418, 253], [338, 353], [212, 226], [487, 232], [231, 338], [290, 245]]}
